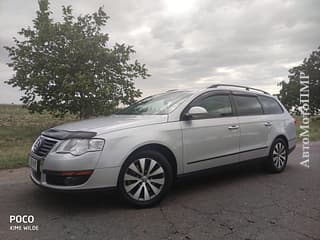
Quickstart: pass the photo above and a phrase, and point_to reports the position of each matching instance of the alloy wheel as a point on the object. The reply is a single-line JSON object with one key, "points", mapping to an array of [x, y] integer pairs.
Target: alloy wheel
{"points": [[144, 179], [279, 155]]}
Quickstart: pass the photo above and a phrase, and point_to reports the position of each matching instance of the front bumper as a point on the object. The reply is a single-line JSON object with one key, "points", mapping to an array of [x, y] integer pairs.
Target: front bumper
{"points": [[100, 179], [53, 172]]}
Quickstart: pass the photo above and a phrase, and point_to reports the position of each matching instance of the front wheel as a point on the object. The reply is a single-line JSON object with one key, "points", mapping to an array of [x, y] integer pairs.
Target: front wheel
{"points": [[145, 178], [278, 156]]}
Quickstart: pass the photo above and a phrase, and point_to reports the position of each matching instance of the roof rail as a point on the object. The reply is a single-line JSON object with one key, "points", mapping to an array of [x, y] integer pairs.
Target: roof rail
{"points": [[238, 86], [172, 90]]}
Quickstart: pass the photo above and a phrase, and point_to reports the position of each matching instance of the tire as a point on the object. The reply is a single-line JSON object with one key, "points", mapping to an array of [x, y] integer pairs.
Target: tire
{"points": [[278, 156], [145, 178]]}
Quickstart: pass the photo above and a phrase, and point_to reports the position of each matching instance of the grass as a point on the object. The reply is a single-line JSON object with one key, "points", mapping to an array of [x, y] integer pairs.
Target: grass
{"points": [[19, 128]]}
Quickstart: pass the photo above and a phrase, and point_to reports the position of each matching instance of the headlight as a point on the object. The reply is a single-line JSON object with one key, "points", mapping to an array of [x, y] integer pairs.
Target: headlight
{"points": [[80, 146]]}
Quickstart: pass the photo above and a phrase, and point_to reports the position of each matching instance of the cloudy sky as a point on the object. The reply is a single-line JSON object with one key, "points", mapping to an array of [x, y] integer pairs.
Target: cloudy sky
{"points": [[190, 43]]}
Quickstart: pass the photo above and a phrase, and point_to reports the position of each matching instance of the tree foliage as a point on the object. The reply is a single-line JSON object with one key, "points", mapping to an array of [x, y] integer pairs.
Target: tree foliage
{"points": [[68, 66], [290, 91]]}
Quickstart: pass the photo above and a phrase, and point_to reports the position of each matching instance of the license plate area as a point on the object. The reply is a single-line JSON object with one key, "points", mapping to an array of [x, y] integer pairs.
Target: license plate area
{"points": [[36, 166], [33, 163]]}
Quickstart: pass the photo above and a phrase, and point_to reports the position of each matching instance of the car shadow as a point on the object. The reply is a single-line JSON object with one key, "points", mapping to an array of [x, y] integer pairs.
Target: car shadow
{"points": [[220, 175], [75, 202]]}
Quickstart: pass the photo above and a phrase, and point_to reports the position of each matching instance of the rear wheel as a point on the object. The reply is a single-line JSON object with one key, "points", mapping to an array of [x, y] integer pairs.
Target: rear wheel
{"points": [[145, 178], [278, 156]]}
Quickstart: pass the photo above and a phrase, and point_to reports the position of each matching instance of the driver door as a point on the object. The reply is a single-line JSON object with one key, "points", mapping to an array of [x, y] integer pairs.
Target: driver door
{"points": [[210, 139]]}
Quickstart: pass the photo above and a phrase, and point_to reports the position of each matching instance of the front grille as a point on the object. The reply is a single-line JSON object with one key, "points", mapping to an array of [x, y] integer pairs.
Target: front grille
{"points": [[43, 146]]}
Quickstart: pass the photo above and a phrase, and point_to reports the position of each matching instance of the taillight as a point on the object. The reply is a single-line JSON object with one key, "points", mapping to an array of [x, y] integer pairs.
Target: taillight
{"points": [[294, 120]]}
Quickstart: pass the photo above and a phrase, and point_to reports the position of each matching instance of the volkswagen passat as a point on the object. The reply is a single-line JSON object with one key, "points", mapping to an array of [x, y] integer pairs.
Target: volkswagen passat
{"points": [[142, 149]]}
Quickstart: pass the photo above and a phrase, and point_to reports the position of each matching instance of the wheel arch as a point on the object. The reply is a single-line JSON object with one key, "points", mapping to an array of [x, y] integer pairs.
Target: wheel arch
{"points": [[269, 165], [159, 148], [283, 137]]}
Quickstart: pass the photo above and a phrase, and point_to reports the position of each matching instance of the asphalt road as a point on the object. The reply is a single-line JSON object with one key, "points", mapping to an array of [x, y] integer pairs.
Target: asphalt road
{"points": [[238, 202]]}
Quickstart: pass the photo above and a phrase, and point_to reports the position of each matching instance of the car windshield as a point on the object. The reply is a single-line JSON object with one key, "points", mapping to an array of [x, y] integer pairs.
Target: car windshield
{"points": [[158, 104]]}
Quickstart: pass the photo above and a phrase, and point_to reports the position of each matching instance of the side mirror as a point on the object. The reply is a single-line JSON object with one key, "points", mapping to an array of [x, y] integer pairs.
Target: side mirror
{"points": [[195, 111]]}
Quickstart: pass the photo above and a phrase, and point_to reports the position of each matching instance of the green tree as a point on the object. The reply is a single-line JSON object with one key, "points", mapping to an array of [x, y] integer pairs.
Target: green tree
{"points": [[68, 66], [290, 91]]}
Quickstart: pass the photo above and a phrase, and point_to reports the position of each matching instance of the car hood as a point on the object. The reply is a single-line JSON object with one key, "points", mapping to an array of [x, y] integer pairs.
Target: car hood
{"points": [[111, 123]]}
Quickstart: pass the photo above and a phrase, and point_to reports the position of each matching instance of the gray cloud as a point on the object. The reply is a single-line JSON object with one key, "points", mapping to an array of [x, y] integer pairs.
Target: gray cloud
{"points": [[188, 43]]}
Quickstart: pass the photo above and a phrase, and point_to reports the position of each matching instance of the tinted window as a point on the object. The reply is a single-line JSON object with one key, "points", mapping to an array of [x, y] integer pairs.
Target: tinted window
{"points": [[248, 105], [270, 106], [216, 105]]}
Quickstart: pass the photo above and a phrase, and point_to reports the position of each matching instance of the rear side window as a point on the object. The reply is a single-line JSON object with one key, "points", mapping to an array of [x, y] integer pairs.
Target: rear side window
{"points": [[217, 105], [248, 105], [270, 105]]}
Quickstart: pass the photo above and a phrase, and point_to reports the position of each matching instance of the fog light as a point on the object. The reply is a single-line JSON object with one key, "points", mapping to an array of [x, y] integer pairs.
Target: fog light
{"points": [[69, 181], [70, 178]]}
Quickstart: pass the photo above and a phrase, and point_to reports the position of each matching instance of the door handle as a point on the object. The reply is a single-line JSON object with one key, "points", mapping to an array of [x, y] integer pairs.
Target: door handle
{"points": [[233, 127], [268, 124]]}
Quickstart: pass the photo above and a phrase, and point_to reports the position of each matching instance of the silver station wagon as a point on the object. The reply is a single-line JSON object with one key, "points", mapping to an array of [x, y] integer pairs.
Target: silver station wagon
{"points": [[142, 149]]}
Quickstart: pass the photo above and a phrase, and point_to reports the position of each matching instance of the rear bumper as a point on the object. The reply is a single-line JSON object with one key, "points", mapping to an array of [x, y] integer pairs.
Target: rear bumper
{"points": [[291, 149], [292, 144]]}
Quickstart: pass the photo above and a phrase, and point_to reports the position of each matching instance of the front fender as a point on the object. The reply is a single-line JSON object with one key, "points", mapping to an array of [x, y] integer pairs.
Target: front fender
{"points": [[120, 144]]}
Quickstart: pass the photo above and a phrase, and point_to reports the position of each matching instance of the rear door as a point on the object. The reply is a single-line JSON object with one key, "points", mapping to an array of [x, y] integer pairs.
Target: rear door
{"points": [[212, 139], [253, 127], [273, 117]]}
